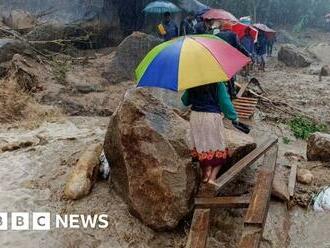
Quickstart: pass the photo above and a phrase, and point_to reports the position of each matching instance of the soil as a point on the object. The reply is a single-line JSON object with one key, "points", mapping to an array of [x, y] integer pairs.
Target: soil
{"points": [[32, 176]]}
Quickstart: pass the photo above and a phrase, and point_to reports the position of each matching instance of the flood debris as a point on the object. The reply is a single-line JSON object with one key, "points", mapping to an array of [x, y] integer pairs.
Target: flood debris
{"points": [[84, 174]]}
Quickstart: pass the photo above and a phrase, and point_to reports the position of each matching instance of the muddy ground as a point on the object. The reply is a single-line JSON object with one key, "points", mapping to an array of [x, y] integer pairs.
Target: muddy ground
{"points": [[32, 176]]}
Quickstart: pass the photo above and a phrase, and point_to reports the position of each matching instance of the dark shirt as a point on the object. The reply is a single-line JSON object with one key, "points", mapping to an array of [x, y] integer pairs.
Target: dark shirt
{"points": [[248, 43], [171, 30], [200, 28], [232, 38], [212, 98], [187, 27], [261, 46]]}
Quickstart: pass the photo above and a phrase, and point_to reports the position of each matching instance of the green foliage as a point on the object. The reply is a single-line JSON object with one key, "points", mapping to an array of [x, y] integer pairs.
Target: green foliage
{"points": [[302, 127], [286, 140]]}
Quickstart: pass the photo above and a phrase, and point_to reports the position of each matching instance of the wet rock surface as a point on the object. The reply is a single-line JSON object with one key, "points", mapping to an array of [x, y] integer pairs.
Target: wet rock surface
{"points": [[293, 56], [128, 55], [318, 147]]}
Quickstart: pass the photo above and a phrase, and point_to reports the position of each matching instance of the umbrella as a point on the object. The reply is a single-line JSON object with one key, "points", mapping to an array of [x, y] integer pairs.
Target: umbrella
{"points": [[161, 7], [264, 28], [188, 62], [219, 14], [193, 6], [239, 29]]}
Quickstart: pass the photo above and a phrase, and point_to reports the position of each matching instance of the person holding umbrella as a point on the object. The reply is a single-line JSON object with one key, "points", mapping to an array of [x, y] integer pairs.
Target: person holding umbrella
{"points": [[261, 50], [171, 29], [196, 64], [187, 25]]}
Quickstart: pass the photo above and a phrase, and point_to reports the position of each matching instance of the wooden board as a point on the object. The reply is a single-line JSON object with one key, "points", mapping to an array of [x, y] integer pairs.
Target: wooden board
{"points": [[258, 208], [243, 88], [292, 179], [248, 160], [199, 229], [251, 237], [223, 202]]}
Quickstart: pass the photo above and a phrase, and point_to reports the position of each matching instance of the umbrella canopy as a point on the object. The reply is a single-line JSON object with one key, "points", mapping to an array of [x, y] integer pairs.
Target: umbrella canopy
{"points": [[264, 28], [193, 6], [219, 14], [188, 62], [239, 29], [161, 7]]}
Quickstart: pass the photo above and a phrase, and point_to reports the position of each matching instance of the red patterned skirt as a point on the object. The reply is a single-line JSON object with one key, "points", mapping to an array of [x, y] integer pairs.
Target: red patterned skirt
{"points": [[207, 139]]}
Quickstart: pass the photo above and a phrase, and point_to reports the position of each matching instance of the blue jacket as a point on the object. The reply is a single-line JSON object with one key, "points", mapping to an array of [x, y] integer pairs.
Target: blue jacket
{"points": [[212, 98], [261, 46], [232, 38], [171, 29], [248, 43]]}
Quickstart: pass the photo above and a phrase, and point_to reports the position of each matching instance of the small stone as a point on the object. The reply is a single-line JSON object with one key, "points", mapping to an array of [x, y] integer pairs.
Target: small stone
{"points": [[304, 176]]}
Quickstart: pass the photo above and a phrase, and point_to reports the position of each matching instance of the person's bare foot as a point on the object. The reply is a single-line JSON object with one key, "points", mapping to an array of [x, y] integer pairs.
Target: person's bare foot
{"points": [[215, 172], [206, 174]]}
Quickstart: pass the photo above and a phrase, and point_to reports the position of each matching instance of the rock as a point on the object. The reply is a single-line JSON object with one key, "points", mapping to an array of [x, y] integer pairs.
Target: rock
{"points": [[318, 147], [294, 157], [293, 56], [9, 47], [321, 52], [280, 184], [305, 176], [276, 232], [20, 20], [146, 143], [151, 165], [128, 55], [83, 176], [325, 72]]}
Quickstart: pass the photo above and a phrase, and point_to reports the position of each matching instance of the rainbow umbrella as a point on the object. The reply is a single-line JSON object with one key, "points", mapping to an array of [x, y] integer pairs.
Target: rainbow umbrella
{"points": [[188, 62]]}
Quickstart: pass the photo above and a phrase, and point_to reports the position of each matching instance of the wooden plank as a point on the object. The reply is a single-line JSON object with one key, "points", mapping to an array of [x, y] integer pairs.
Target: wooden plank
{"points": [[244, 104], [243, 88], [292, 179], [252, 100], [248, 160], [258, 209], [252, 108], [249, 98], [223, 202], [251, 237], [199, 229]]}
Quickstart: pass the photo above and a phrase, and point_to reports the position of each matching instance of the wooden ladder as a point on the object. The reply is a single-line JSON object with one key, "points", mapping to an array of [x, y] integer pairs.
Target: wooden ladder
{"points": [[257, 205]]}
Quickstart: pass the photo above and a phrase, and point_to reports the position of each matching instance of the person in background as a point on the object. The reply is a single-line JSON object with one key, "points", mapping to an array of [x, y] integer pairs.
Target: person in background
{"points": [[171, 29], [261, 50], [203, 26], [247, 42], [230, 37], [271, 39], [187, 25], [208, 144]]}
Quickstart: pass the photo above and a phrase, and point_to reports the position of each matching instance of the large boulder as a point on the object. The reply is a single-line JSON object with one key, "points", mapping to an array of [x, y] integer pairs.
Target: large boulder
{"points": [[292, 56], [128, 55], [20, 20], [318, 147], [9, 47], [146, 143]]}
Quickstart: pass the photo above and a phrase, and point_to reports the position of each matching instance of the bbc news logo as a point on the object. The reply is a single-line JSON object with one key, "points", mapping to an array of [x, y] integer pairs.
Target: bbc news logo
{"points": [[42, 221]]}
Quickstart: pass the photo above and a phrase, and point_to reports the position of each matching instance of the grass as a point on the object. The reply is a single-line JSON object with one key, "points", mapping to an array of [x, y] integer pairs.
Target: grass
{"points": [[303, 127], [286, 140]]}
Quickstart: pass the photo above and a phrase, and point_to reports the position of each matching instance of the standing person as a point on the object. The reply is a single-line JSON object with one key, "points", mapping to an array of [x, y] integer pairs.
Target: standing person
{"points": [[247, 42], [208, 142], [261, 50], [170, 28], [203, 27], [271, 39], [230, 37], [187, 25]]}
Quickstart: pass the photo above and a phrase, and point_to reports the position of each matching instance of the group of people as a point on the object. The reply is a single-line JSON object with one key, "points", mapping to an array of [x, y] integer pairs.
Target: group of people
{"points": [[211, 103], [258, 51]]}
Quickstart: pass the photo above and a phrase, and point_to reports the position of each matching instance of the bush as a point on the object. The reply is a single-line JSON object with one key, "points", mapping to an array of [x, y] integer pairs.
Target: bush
{"points": [[303, 127]]}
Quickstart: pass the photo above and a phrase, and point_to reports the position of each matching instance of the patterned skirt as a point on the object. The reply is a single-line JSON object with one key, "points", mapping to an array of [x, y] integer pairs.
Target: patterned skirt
{"points": [[207, 138]]}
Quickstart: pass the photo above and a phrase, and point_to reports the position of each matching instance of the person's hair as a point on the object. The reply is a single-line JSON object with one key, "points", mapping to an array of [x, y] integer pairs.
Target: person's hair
{"points": [[167, 14]]}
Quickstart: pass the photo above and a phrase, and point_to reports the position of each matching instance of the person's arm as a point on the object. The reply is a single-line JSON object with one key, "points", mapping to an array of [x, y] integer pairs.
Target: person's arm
{"points": [[225, 103], [185, 98]]}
